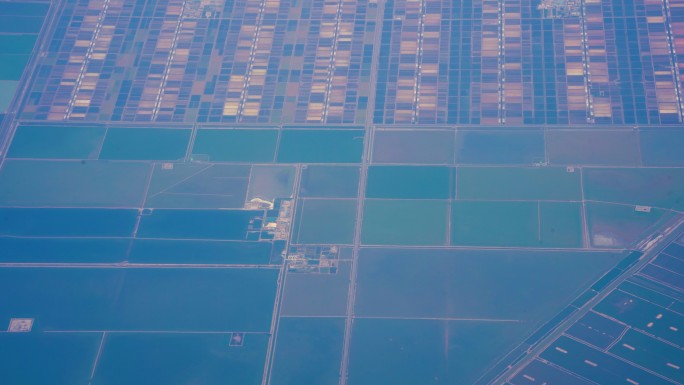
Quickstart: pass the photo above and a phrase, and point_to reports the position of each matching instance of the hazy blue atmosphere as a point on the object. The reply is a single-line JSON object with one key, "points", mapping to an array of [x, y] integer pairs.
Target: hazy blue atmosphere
{"points": [[341, 192]]}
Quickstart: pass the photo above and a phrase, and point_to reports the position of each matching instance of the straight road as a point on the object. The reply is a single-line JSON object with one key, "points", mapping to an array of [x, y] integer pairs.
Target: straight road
{"points": [[363, 178]]}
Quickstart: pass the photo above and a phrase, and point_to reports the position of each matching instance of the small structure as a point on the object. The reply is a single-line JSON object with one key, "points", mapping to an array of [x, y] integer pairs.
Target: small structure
{"points": [[642, 209], [313, 259], [258, 204], [237, 339], [558, 9], [20, 325]]}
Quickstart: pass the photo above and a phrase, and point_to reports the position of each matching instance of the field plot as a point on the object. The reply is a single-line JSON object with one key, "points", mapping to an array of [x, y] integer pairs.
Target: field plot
{"points": [[409, 352], [8, 88], [658, 187], [415, 146], [177, 359], [612, 225], [518, 183], [145, 144], [596, 330], [639, 313], [18, 44], [320, 146], [516, 223], [651, 353], [404, 222], [662, 146], [663, 296], [190, 185], [668, 262], [593, 147], [560, 224], [217, 145], [525, 286], [543, 372], [329, 181], [13, 65], [437, 65], [204, 73], [20, 23], [653, 291], [141, 299], [63, 250], [308, 351], [675, 250], [270, 182], [514, 146], [605, 369], [47, 358], [669, 274], [317, 294], [494, 223], [56, 142], [326, 221], [190, 251], [410, 182], [59, 222], [199, 224], [73, 183], [632, 335]]}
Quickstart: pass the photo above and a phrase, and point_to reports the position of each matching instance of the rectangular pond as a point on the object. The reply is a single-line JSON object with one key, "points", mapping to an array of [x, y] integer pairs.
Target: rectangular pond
{"points": [[141, 299]]}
